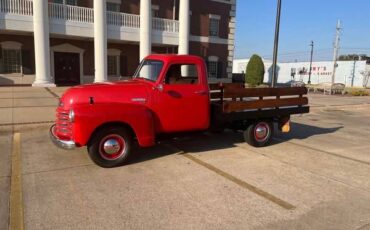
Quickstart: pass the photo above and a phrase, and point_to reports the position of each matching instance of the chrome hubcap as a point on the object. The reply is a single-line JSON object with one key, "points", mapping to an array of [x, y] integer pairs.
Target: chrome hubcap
{"points": [[261, 132], [111, 146]]}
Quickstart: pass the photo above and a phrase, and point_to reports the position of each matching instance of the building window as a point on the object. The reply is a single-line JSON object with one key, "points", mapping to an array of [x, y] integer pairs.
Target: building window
{"points": [[12, 60], [212, 66], [155, 11], [214, 25], [112, 65], [67, 2], [113, 7], [71, 2], [212, 69]]}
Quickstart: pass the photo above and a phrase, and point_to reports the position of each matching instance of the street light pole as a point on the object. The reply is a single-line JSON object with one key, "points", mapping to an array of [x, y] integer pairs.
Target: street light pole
{"points": [[276, 44], [310, 72]]}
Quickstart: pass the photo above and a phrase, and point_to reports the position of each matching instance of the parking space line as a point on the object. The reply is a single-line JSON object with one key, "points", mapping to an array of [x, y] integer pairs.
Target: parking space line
{"points": [[32, 106], [240, 182], [16, 196], [323, 151], [34, 98], [28, 123], [51, 92], [58, 169]]}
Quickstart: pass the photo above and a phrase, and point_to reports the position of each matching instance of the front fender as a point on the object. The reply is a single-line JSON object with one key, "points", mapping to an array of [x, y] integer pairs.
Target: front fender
{"points": [[89, 117]]}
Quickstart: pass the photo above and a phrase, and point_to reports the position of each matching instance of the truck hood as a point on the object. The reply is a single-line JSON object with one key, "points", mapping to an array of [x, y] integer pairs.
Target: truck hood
{"points": [[132, 91]]}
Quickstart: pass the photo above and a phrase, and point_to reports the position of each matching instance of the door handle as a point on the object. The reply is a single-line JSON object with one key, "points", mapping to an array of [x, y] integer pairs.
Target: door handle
{"points": [[201, 92]]}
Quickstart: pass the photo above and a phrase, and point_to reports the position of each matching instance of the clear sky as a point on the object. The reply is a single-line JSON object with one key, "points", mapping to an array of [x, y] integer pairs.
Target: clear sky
{"points": [[301, 22]]}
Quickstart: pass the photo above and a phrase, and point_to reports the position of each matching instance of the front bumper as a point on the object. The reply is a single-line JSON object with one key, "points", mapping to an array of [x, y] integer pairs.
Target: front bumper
{"points": [[69, 145]]}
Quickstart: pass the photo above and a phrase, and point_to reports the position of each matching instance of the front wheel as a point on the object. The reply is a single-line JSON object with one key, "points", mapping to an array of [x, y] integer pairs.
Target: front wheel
{"points": [[259, 134], [111, 147]]}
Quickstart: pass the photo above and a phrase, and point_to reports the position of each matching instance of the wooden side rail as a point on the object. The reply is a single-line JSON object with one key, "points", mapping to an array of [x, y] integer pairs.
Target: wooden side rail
{"points": [[236, 98], [237, 106], [217, 89], [218, 86], [264, 92]]}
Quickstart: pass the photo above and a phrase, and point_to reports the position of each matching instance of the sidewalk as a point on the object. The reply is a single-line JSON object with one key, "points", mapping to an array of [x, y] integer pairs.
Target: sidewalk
{"points": [[337, 101], [20, 105]]}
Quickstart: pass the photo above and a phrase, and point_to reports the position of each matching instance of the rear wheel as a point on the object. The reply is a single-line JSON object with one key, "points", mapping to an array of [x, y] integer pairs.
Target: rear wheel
{"points": [[111, 147], [259, 134]]}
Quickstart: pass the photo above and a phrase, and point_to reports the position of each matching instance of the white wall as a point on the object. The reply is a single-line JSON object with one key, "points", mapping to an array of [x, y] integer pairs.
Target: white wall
{"points": [[348, 72]]}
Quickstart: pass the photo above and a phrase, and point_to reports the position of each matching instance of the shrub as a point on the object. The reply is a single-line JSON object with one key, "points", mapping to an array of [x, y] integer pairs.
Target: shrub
{"points": [[359, 92], [255, 71]]}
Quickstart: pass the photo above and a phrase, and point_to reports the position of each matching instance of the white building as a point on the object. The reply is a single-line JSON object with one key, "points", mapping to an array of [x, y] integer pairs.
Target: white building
{"points": [[71, 42], [349, 73]]}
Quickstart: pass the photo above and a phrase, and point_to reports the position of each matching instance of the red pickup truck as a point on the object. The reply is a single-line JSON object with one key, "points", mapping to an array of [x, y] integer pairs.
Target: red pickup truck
{"points": [[168, 94]]}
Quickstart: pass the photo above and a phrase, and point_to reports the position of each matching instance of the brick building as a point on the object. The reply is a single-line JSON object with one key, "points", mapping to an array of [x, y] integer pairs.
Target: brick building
{"points": [[55, 42]]}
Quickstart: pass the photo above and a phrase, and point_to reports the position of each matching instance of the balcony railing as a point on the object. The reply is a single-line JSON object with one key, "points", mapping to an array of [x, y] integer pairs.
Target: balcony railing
{"points": [[71, 13], [22, 7], [122, 19], [86, 15], [167, 25]]}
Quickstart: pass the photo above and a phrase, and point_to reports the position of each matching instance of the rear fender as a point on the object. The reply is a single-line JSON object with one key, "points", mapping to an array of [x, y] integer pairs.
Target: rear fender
{"points": [[89, 118]]}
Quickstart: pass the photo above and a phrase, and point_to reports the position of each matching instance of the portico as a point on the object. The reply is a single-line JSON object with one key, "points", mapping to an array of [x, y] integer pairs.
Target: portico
{"points": [[135, 28], [45, 71]]}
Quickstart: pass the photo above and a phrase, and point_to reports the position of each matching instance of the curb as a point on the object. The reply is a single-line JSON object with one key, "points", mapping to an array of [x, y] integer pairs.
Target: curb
{"points": [[344, 107]]}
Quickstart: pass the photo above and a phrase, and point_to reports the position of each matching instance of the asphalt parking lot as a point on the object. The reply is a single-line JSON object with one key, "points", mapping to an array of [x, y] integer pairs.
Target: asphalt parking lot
{"points": [[316, 177]]}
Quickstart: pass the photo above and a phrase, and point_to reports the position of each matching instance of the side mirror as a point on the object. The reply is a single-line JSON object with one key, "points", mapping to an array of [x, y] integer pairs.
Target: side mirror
{"points": [[159, 87]]}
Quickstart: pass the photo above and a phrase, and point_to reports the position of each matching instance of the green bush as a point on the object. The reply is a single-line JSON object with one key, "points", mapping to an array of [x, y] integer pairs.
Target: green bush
{"points": [[255, 71], [359, 93]]}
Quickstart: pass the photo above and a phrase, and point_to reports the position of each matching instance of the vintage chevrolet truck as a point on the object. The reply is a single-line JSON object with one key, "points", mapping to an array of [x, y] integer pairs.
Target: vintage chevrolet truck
{"points": [[168, 94]]}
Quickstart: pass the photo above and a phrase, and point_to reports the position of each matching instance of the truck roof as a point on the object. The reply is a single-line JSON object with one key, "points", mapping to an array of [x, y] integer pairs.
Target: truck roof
{"points": [[174, 57]]}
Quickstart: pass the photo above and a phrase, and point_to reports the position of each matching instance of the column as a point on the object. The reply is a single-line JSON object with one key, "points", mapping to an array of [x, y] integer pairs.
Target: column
{"points": [[42, 44], [184, 27], [145, 28], [100, 41]]}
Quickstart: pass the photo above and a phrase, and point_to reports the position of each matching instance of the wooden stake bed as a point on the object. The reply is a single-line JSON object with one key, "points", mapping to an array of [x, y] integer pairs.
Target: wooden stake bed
{"points": [[233, 100]]}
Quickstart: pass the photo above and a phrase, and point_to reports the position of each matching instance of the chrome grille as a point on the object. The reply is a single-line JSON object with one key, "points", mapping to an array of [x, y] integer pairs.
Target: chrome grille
{"points": [[62, 125]]}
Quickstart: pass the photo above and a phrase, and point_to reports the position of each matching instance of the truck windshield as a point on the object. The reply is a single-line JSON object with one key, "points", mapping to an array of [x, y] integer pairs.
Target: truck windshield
{"points": [[149, 70]]}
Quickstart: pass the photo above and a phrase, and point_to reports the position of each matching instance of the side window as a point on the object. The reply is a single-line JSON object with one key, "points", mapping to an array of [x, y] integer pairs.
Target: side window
{"points": [[182, 74]]}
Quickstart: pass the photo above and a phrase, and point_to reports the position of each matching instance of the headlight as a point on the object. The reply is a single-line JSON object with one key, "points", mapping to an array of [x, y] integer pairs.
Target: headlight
{"points": [[71, 115]]}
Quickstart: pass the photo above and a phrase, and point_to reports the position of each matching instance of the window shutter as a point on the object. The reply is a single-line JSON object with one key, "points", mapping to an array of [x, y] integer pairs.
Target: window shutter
{"points": [[220, 69], [26, 62], [123, 67], [207, 64]]}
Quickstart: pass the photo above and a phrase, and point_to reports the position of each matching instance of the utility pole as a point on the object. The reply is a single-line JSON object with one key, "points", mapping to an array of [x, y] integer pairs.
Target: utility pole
{"points": [[276, 44], [310, 72], [336, 51]]}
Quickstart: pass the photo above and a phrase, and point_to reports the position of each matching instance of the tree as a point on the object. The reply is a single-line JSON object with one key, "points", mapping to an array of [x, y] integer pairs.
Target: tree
{"points": [[356, 57], [255, 71]]}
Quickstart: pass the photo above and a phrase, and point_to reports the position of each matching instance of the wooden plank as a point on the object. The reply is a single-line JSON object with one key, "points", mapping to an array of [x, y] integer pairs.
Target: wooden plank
{"points": [[216, 95], [264, 92], [236, 106], [266, 113], [216, 86]]}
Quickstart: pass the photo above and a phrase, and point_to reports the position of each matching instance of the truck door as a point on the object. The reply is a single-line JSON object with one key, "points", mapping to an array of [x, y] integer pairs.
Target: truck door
{"points": [[182, 102]]}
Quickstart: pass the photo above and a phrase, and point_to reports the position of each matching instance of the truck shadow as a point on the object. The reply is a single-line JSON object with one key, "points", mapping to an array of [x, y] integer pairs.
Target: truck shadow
{"points": [[206, 142], [303, 131]]}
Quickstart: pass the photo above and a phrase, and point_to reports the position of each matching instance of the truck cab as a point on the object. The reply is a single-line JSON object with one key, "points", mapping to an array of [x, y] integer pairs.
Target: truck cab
{"points": [[167, 94]]}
